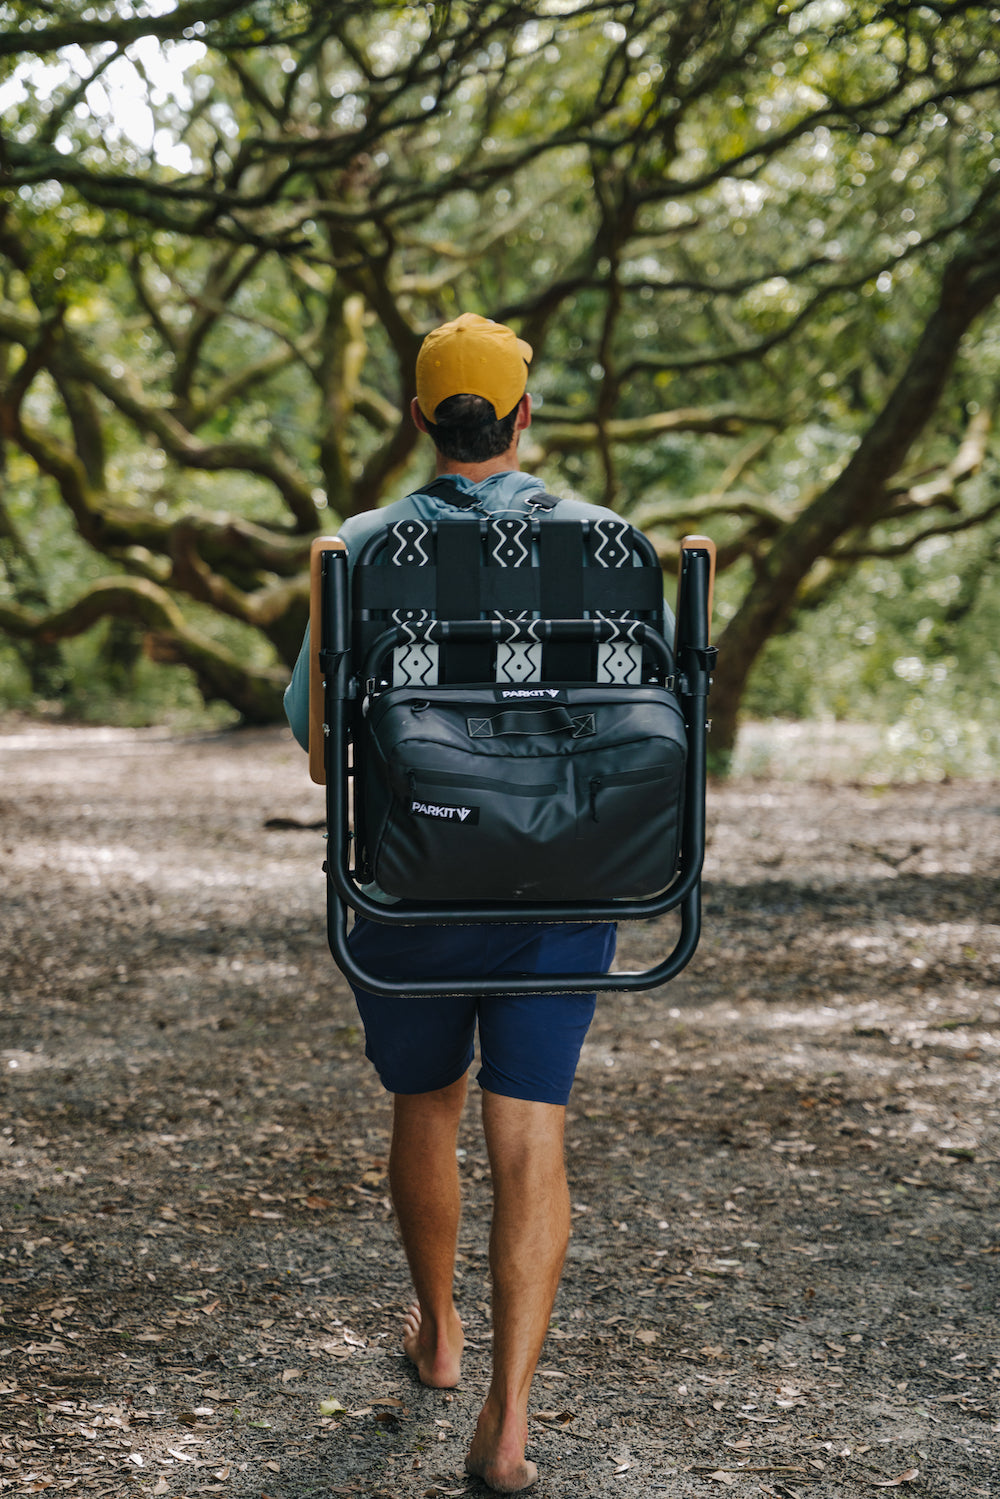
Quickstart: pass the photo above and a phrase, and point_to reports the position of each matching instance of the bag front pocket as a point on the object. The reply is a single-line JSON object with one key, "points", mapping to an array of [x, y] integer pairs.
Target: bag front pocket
{"points": [[610, 781]]}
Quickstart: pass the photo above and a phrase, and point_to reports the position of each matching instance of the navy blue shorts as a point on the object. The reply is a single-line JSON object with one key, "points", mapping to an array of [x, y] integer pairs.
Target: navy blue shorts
{"points": [[529, 1044]]}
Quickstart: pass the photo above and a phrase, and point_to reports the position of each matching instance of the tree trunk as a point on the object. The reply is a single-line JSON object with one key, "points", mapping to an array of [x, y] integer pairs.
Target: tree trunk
{"points": [[859, 495]]}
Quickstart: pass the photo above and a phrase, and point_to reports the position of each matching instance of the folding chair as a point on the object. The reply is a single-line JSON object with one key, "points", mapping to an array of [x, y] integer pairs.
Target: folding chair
{"points": [[505, 735]]}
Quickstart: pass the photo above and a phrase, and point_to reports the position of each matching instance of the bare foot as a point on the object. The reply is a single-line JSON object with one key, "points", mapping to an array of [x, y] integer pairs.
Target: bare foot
{"points": [[438, 1360], [497, 1456]]}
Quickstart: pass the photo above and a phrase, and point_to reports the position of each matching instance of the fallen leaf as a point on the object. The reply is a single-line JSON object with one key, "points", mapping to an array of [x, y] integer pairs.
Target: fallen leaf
{"points": [[289, 1374], [892, 1483], [331, 1408], [646, 1335], [554, 1418], [721, 1477]]}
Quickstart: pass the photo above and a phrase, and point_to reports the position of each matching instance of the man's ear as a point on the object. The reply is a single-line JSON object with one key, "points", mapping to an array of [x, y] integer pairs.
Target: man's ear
{"points": [[419, 420], [523, 413]]}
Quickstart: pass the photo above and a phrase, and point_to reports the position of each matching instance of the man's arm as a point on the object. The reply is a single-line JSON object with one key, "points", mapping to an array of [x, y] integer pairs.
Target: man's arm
{"points": [[297, 695]]}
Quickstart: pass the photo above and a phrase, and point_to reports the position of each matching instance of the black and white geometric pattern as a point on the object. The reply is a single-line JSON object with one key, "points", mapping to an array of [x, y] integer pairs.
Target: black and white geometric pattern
{"points": [[417, 663], [613, 548], [509, 541], [519, 662], [618, 661], [408, 538], [509, 545]]}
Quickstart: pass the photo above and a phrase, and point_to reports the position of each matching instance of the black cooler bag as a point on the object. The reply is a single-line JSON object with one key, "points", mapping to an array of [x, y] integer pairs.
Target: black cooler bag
{"points": [[554, 793]]}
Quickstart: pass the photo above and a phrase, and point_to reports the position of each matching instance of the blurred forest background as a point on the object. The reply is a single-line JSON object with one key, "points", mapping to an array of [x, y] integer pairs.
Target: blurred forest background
{"points": [[756, 247]]}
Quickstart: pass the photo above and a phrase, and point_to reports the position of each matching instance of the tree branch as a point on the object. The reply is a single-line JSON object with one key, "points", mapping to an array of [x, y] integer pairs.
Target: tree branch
{"points": [[565, 434], [254, 691], [894, 550], [39, 41]]}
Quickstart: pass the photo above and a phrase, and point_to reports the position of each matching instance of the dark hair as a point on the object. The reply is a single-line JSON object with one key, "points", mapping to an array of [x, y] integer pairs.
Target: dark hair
{"points": [[468, 430]]}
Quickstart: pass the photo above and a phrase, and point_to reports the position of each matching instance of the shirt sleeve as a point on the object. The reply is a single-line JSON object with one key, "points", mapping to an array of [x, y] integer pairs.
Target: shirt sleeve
{"points": [[297, 695]]}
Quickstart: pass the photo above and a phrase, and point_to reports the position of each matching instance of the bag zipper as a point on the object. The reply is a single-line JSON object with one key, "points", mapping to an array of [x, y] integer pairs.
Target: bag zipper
{"points": [[478, 783]]}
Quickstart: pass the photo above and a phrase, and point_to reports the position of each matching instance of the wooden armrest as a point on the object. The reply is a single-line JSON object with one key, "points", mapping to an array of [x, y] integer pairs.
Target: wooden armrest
{"points": [[702, 544], [317, 747]]}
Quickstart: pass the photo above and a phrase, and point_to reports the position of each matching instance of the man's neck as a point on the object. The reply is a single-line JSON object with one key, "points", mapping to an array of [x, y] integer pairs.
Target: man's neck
{"points": [[475, 472]]}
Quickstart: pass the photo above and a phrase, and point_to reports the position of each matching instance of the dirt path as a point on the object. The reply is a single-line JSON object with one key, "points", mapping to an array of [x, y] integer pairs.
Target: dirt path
{"points": [[784, 1167]]}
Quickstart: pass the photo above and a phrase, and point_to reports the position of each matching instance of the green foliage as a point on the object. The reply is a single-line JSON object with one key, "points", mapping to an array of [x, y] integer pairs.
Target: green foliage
{"points": [[912, 647]]}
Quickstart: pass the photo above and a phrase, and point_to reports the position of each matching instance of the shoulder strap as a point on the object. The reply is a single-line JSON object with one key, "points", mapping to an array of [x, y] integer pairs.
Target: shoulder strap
{"points": [[446, 489]]}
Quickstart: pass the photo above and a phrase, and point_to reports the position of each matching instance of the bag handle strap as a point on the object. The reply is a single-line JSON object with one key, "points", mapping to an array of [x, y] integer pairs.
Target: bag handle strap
{"points": [[553, 719]]}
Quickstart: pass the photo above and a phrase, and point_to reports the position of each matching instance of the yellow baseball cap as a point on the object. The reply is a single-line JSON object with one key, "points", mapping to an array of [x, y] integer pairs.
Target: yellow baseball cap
{"points": [[472, 356]]}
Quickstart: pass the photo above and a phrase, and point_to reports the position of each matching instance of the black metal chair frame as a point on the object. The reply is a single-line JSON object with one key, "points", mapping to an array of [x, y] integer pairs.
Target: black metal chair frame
{"points": [[337, 687]]}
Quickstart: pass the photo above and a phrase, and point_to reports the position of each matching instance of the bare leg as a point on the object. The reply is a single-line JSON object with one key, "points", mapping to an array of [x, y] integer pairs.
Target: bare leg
{"points": [[527, 1248], [423, 1179]]}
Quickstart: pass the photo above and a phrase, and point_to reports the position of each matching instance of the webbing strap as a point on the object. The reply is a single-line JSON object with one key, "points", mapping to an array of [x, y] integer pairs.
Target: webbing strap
{"points": [[561, 597], [446, 489], [391, 588], [613, 591], [458, 597]]}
